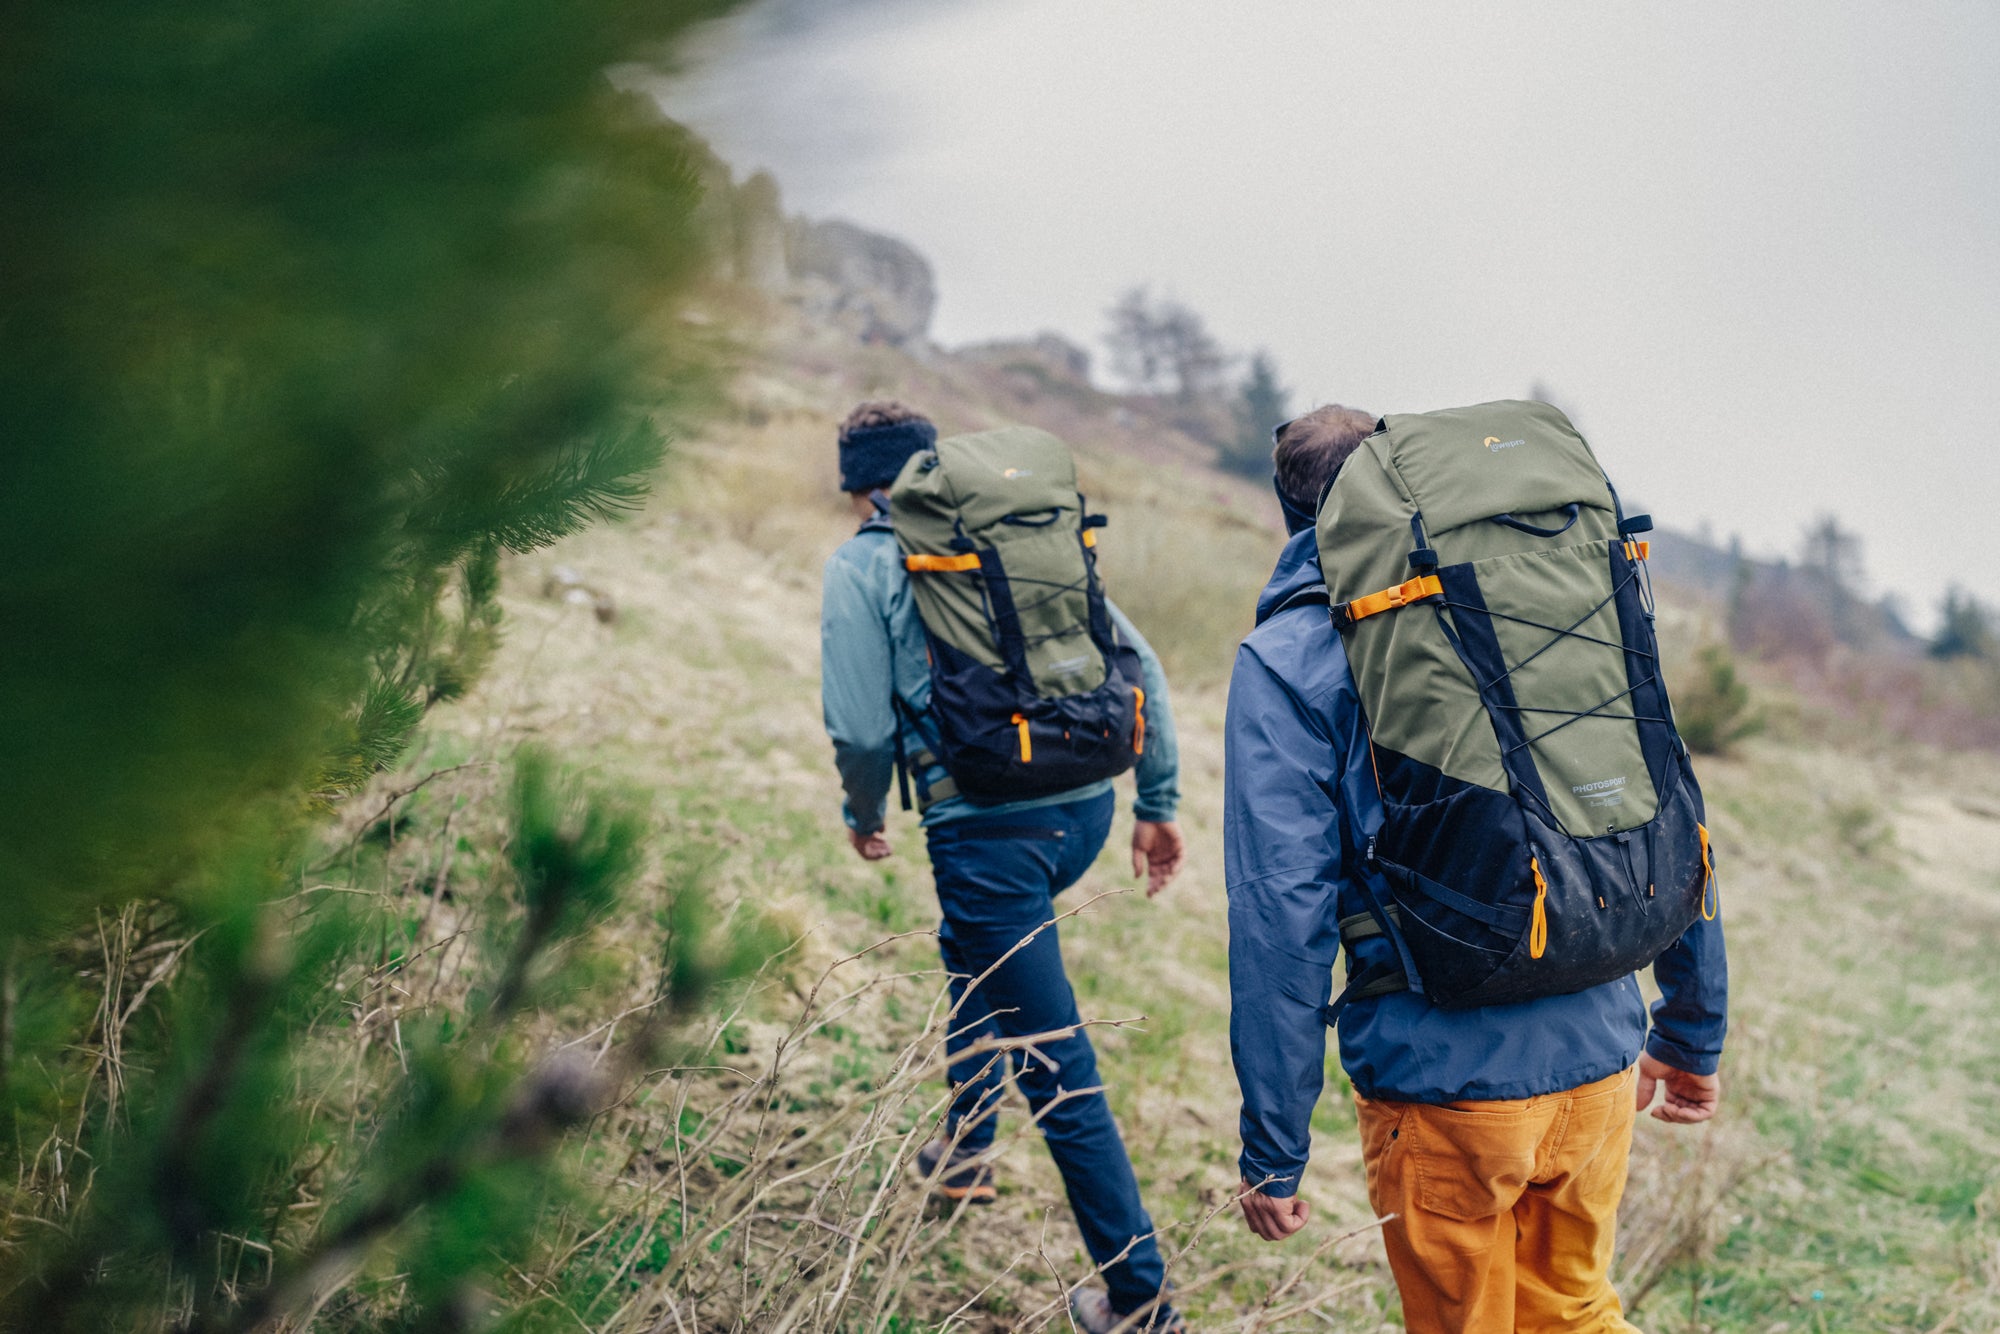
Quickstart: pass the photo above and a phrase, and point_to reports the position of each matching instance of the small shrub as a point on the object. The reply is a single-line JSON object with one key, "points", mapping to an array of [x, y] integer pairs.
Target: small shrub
{"points": [[1861, 826], [1714, 711]]}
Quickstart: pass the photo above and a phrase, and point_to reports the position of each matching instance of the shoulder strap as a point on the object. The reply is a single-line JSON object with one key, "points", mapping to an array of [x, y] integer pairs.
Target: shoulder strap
{"points": [[1391, 975], [878, 522]]}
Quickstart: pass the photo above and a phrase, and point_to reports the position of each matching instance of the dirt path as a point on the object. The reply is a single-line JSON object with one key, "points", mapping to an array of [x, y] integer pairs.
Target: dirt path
{"points": [[1953, 842]]}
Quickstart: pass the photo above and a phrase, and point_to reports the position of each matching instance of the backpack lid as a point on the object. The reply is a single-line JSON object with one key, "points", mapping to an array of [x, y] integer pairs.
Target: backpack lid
{"points": [[1465, 465], [969, 483], [994, 527]]}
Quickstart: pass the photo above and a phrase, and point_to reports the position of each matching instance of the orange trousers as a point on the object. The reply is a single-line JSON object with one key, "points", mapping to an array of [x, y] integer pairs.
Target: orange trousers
{"points": [[1505, 1212]]}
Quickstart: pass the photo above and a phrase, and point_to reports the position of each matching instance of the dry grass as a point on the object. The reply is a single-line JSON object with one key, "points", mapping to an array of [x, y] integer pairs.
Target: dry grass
{"points": [[706, 690], [764, 1181]]}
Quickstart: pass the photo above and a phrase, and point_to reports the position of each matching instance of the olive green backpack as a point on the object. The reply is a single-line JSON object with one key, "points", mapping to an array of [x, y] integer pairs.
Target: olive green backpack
{"points": [[1033, 692], [1543, 831]]}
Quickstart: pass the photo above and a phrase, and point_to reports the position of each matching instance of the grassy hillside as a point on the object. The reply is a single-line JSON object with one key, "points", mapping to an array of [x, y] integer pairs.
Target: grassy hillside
{"points": [[764, 1181]]}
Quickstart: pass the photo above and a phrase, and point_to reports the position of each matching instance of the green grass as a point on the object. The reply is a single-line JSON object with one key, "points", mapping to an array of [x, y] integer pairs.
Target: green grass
{"points": [[1860, 1070]]}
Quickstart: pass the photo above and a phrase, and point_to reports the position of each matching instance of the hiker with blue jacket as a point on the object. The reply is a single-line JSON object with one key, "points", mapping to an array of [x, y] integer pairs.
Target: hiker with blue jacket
{"points": [[1492, 912], [978, 578]]}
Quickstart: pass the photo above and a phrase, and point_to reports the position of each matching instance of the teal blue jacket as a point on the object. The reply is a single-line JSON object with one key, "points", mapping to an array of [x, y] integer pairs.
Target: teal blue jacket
{"points": [[871, 637]]}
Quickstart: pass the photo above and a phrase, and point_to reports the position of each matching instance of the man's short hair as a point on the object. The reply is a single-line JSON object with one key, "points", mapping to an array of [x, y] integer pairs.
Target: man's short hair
{"points": [[879, 412], [1310, 450]]}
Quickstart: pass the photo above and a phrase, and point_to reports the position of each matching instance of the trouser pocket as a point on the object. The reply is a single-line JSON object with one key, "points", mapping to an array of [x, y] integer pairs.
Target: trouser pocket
{"points": [[1471, 1164]]}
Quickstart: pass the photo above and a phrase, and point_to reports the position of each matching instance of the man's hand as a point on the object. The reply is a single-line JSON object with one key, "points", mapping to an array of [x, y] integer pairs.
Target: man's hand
{"points": [[1157, 849], [1690, 1098], [1271, 1218], [872, 847]]}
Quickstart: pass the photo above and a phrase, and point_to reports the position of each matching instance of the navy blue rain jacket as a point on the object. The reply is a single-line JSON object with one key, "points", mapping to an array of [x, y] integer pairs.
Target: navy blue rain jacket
{"points": [[1296, 765]]}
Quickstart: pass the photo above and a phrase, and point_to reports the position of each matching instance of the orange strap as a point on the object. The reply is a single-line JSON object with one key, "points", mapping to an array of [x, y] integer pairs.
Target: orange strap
{"points": [[1708, 886], [1027, 747], [1538, 930], [1139, 728], [1638, 550], [941, 564], [968, 561], [1401, 595]]}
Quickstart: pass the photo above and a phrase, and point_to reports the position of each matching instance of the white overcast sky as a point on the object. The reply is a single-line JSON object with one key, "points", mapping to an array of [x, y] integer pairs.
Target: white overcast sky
{"points": [[1754, 247]]}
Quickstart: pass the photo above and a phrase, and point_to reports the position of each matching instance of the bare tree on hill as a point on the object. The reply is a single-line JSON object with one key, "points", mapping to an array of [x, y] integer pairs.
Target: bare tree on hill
{"points": [[1164, 346]]}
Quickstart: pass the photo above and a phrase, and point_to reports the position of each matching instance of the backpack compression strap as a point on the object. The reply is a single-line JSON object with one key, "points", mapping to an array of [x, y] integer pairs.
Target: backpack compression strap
{"points": [[1389, 599]]}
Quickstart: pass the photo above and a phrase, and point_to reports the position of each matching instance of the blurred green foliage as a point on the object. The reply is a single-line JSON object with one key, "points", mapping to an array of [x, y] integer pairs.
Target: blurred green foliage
{"points": [[309, 316]]}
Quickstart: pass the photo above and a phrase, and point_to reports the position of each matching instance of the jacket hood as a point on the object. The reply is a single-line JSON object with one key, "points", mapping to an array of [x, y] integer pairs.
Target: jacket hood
{"points": [[1298, 567], [1297, 519]]}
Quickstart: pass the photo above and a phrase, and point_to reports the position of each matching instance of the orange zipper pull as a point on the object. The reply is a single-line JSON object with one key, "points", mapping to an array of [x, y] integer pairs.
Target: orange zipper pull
{"points": [[1027, 749], [1139, 729], [1538, 929], [1708, 879]]}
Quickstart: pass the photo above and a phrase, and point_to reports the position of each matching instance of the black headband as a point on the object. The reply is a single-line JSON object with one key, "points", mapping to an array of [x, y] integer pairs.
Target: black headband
{"points": [[871, 456]]}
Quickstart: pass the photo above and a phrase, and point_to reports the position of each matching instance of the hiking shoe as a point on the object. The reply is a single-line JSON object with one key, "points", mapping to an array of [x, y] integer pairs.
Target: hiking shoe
{"points": [[1092, 1311], [974, 1184]]}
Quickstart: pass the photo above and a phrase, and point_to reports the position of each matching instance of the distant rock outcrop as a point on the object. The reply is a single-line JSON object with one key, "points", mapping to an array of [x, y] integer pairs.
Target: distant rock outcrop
{"points": [[756, 249], [878, 288], [876, 285]]}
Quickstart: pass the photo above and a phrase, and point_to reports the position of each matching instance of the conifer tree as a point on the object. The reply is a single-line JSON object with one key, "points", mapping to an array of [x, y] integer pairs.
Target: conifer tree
{"points": [[1965, 631], [1164, 345], [1262, 405], [309, 316]]}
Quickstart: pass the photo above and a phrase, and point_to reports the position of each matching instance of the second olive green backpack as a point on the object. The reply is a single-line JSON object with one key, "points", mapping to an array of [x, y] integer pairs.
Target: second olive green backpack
{"points": [[1032, 689]]}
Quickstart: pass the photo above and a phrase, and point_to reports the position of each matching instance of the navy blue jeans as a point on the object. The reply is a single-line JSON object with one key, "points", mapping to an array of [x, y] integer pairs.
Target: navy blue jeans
{"points": [[997, 879]]}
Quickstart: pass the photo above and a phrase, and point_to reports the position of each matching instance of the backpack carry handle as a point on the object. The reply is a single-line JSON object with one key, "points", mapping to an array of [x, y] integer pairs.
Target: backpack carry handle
{"points": [[1023, 521], [1572, 509]]}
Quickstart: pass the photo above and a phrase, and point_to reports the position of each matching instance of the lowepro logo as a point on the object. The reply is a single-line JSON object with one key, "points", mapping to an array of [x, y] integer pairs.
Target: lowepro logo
{"points": [[1496, 443], [1012, 473], [1604, 792]]}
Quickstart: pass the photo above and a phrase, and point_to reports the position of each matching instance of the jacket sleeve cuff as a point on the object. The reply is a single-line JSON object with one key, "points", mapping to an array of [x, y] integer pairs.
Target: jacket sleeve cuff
{"points": [[858, 825], [1283, 1183], [1153, 812], [1662, 1048]]}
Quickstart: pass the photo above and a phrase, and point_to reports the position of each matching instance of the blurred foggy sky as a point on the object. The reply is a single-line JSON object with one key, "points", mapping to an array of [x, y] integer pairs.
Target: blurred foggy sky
{"points": [[1755, 249]]}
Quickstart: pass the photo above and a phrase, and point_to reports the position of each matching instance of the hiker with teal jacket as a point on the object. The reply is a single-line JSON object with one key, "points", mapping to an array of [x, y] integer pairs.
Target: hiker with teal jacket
{"points": [[932, 689], [1497, 1076]]}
